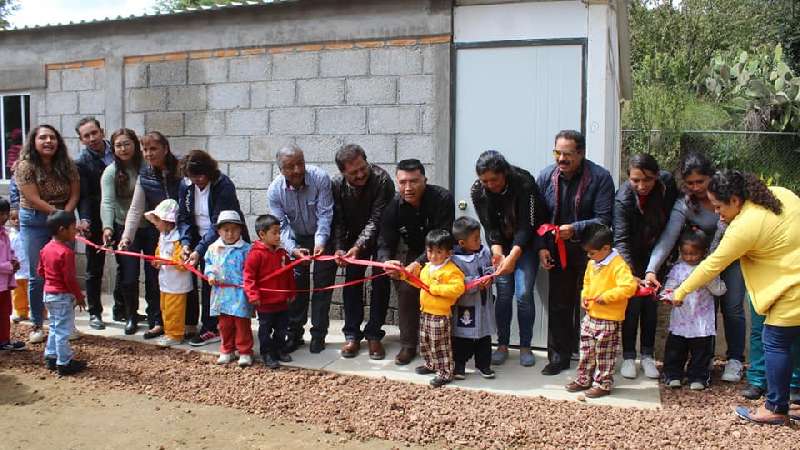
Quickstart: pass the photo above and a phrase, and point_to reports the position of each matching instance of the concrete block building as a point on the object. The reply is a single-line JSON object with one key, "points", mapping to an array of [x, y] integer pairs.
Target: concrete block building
{"points": [[438, 80]]}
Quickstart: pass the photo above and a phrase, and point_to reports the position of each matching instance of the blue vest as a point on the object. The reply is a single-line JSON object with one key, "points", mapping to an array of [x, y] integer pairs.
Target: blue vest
{"points": [[156, 188]]}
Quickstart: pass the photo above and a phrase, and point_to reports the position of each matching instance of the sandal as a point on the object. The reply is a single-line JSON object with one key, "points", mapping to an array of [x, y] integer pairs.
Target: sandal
{"points": [[752, 416], [154, 332]]}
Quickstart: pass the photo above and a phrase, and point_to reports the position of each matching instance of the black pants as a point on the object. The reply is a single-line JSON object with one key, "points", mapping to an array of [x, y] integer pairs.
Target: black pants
{"points": [[465, 348], [324, 274], [272, 329], [95, 262], [563, 301], [353, 297], [641, 314], [148, 241], [698, 351], [201, 307]]}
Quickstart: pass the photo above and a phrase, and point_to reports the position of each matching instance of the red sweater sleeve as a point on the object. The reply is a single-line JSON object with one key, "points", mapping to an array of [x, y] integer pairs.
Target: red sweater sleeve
{"points": [[251, 266]]}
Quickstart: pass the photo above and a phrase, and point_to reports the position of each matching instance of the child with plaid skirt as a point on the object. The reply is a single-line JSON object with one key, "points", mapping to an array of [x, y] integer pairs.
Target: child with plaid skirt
{"points": [[607, 285], [445, 285]]}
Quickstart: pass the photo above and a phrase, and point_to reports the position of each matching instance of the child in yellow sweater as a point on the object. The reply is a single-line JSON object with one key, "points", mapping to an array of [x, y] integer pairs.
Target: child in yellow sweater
{"points": [[445, 282], [607, 285]]}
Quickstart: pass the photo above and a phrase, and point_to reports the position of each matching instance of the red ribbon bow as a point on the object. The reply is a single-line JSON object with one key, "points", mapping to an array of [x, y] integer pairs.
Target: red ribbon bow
{"points": [[560, 245]]}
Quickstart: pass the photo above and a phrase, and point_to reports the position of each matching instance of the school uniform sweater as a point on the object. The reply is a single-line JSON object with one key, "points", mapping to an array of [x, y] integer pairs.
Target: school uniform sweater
{"points": [[446, 285], [611, 278]]}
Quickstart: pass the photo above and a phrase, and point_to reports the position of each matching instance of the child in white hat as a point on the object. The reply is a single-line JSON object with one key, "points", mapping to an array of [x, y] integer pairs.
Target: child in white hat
{"points": [[174, 281], [224, 267]]}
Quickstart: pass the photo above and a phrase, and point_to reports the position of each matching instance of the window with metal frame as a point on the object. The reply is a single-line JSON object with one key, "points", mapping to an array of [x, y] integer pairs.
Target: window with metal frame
{"points": [[14, 125]]}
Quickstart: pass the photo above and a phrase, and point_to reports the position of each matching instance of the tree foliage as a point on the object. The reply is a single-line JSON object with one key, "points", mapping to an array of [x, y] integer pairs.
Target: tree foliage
{"points": [[6, 8], [167, 5]]}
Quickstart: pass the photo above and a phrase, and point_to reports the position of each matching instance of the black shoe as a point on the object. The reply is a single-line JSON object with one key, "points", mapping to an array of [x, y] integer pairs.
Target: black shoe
{"points": [[271, 362], [71, 368], [284, 357], [118, 317], [50, 363], [486, 373], [292, 344], [131, 326], [553, 369], [317, 345], [96, 323], [439, 382], [752, 392], [423, 370]]}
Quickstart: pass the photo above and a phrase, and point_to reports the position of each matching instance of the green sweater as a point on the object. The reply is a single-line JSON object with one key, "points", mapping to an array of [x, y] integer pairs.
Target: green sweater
{"points": [[114, 208]]}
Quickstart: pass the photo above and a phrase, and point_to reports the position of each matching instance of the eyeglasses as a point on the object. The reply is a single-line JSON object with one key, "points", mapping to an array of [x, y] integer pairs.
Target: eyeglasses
{"points": [[558, 153], [123, 144]]}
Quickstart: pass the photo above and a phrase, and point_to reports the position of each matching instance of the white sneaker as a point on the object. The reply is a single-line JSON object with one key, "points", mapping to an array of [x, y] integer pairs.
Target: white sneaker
{"points": [[628, 369], [697, 386], [167, 341], [733, 371], [674, 384], [75, 335], [37, 335], [225, 358], [649, 367], [245, 361]]}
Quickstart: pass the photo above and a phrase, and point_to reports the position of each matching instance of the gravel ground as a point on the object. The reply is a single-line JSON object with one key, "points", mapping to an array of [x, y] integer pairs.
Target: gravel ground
{"points": [[363, 408]]}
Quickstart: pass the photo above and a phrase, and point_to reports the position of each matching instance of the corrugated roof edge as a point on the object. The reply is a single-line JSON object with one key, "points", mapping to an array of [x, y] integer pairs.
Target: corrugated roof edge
{"points": [[173, 12]]}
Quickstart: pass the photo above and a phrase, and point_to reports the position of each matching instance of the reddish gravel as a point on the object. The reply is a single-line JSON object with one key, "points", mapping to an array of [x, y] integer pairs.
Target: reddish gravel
{"points": [[371, 408]]}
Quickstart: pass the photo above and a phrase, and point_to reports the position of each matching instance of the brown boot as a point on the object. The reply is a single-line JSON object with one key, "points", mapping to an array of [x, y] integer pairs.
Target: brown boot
{"points": [[405, 356], [376, 350], [576, 387], [350, 349]]}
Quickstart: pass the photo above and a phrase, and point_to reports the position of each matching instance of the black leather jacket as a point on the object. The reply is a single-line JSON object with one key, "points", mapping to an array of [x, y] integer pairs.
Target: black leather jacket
{"points": [[90, 167], [357, 211], [637, 227]]}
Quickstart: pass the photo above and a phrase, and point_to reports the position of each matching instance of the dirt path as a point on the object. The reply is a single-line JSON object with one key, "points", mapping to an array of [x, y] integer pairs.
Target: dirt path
{"points": [[43, 412]]}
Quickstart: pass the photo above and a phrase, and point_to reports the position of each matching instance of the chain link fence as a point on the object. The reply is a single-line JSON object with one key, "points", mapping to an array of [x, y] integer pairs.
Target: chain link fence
{"points": [[775, 157]]}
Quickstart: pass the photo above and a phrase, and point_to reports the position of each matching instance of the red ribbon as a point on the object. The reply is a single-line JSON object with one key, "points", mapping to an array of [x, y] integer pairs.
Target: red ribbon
{"points": [[363, 262], [645, 291], [560, 245]]}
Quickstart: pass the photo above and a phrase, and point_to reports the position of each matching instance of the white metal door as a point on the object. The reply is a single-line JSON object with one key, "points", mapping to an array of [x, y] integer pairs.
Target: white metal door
{"points": [[514, 100]]}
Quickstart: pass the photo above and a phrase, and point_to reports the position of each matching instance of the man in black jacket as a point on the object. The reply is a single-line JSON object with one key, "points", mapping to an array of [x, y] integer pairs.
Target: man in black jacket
{"points": [[577, 193], [92, 161], [360, 193], [417, 209]]}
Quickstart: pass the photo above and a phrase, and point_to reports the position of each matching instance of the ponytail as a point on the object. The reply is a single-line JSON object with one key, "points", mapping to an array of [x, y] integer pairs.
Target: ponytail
{"points": [[727, 183]]}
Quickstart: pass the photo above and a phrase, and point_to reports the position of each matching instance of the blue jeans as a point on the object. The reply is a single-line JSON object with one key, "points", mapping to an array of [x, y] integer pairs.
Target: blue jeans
{"points": [[33, 229], [778, 343], [732, 305], [755, 372], [61, 309], [520, 284]]}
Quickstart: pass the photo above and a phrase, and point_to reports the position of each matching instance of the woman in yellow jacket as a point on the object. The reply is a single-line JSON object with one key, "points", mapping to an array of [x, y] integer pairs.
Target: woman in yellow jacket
{"points": [[764, 233]]}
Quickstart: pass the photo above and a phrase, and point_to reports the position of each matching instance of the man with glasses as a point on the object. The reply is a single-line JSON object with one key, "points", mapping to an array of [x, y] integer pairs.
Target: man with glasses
{"points": [[577, 193], [95, 155], [300, 197]]}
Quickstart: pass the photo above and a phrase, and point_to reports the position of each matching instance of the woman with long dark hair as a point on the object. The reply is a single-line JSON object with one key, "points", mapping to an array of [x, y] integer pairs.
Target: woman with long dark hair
{"points": [[762, 233], [48, 180], [696, 210], [157, 181], [641, 209], [117, 185], [200, 201]]}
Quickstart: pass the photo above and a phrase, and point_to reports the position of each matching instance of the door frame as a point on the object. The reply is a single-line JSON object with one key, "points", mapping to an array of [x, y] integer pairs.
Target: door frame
{"points": [[582, 42]]}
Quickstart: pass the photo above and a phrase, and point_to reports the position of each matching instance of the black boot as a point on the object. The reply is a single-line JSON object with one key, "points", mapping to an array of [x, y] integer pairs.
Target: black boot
{"points": [[132, 325]]}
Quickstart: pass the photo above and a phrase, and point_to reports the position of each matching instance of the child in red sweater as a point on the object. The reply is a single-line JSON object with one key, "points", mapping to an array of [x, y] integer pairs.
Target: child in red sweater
{"points": [[61, 292], [264, 259]]}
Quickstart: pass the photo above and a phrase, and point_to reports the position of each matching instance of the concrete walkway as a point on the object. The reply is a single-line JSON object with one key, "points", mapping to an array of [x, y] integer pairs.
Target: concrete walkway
{"points": [[512, 379]]}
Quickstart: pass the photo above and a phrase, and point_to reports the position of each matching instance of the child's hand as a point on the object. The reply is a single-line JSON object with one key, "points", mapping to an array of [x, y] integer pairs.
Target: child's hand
{"points": [[599, 300], [212, 280], [486, 284], [156, 264], [80, 303], [585, 303]]}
